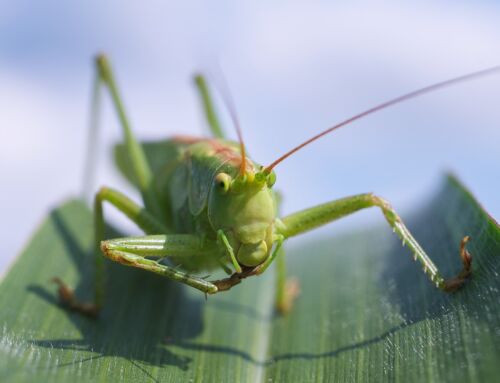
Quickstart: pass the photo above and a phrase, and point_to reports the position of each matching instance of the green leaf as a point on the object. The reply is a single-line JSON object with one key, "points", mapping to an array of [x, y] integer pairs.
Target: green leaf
{"points": [[366, 311]]}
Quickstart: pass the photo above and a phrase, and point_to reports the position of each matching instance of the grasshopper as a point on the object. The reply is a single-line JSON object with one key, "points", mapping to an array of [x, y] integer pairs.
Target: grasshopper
{"points": [[210, 206]]}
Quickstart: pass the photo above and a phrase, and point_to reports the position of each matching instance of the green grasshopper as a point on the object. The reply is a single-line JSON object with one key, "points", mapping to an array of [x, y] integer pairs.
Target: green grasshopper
{"points": [[210, 206]]}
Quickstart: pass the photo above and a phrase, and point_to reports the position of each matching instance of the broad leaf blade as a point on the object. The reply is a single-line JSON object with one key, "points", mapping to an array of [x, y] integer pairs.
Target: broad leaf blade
{"points": [[151, 329], [366, 311]]}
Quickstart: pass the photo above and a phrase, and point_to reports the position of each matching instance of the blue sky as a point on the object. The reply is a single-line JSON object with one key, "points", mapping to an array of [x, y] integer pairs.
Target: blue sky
{"points": [[294, 67]]}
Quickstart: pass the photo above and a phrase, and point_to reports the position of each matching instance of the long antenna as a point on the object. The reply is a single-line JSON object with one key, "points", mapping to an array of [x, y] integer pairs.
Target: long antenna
{"points": [[387, 104], [228, 100]]}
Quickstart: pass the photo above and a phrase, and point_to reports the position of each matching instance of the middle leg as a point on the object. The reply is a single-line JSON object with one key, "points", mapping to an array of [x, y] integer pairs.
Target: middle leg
{"points": [[309, 219], [286, 289], [140, 216]]}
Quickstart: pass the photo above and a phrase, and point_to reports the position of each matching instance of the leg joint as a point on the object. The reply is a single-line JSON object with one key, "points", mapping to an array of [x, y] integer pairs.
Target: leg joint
{"points": [[386, 207], [103, 192]]}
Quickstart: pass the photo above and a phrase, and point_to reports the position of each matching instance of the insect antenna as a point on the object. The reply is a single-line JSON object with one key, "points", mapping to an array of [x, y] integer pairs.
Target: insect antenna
{"points": [[230, 105], [384, 105]]}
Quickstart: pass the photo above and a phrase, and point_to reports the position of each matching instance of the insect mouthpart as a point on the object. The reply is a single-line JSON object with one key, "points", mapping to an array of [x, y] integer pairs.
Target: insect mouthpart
{"points": [[252, 254], [255, 242]]}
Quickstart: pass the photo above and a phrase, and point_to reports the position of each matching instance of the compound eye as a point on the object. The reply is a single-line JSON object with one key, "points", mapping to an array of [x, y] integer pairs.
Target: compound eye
{"points": [[223, 181], [271, 179]]}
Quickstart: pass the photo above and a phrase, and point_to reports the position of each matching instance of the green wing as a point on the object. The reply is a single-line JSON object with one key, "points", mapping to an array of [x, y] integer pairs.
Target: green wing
{"points": [[203, 166], [164, 158], [159, 155]]}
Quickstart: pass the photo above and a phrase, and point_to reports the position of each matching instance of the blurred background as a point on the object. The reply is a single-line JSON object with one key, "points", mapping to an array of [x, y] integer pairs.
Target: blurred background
{"points": [[294, 68]]}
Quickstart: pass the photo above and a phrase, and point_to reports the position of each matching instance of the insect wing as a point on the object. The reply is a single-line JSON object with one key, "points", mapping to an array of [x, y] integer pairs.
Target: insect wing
{"points": [[202, 169], [158, 154]]}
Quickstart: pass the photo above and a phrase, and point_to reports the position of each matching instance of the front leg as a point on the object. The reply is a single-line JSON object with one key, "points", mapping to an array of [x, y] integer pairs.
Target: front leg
{"points": [[309, 219], [132, 251]]}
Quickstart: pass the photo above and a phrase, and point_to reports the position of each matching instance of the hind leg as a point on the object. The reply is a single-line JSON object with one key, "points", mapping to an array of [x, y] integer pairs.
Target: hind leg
{"points": [[208, 107], [140, 167]]}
